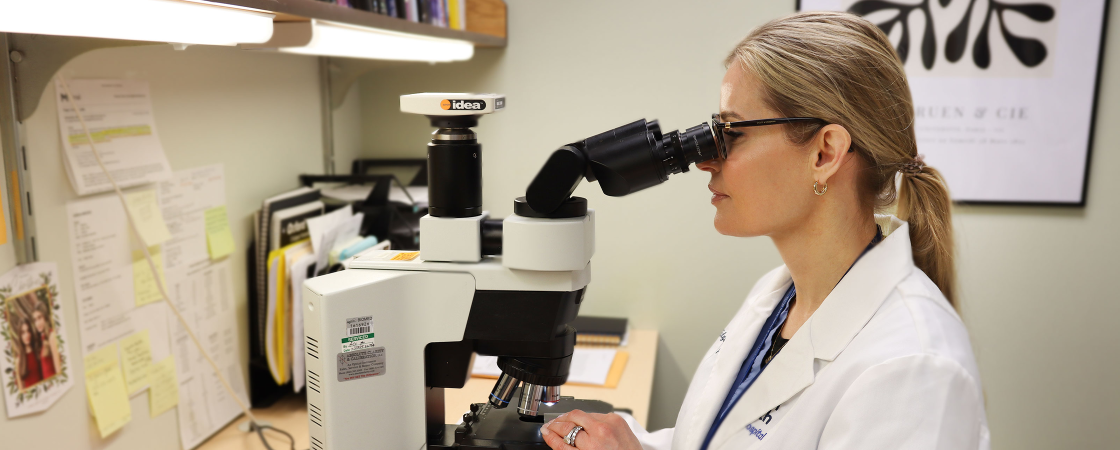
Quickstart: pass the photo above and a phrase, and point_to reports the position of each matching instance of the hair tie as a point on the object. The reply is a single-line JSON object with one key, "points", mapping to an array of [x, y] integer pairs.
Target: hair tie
{"points": [[913, 167]]}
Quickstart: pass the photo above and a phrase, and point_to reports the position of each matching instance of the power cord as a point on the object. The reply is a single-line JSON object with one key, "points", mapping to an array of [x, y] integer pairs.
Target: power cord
{"points": [[254, 423]]}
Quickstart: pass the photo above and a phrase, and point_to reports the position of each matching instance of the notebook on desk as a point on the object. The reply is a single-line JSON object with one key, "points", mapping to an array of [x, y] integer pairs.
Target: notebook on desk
{"points": [[593, 330]]}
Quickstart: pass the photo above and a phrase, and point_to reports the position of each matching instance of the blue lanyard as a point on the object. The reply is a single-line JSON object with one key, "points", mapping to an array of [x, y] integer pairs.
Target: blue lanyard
{"points": [[753, 365]]}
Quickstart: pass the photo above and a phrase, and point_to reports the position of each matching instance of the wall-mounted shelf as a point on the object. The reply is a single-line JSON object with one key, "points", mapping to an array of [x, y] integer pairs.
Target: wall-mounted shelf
{"points": [[487, 29]]}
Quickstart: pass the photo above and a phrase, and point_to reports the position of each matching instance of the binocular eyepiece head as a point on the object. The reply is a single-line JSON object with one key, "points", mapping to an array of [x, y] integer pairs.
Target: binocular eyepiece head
{"points": [[624, 160]]}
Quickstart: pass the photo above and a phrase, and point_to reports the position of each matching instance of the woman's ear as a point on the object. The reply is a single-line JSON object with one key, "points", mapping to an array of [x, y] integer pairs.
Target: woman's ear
{"points": [[828, 152]]}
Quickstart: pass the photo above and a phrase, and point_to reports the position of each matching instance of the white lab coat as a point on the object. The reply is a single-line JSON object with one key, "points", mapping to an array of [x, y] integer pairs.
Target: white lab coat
{"points": [[884, 363]]}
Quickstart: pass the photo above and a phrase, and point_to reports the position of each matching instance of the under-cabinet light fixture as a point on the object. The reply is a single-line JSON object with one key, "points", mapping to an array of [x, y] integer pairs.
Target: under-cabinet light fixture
{"points": [[175, 21], [324, 38]]}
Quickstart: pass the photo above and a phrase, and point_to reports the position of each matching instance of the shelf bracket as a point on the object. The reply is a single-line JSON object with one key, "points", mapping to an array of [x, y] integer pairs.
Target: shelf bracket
{"points": [[28, 64], [344, 72]]}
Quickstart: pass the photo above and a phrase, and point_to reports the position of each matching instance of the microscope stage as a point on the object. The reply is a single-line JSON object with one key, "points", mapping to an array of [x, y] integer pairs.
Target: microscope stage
{"points": [[504, 429]]}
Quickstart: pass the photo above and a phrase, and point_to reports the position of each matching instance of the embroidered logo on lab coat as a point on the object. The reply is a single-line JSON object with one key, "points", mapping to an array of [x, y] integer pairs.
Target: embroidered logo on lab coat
{"points": [[761, 428]]}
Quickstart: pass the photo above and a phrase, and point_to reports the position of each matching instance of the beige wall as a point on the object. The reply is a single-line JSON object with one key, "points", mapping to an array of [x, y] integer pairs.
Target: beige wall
{"points": [[256, 113], [1036, 283]]}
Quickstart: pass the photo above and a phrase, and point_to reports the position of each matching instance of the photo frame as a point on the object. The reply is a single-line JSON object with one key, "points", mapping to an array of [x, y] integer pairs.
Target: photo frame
{"points": [[35, 369], [1005, 91]]}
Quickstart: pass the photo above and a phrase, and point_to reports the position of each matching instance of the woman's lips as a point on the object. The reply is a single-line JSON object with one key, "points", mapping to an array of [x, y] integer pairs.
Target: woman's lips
{"points": [[716, 195]]}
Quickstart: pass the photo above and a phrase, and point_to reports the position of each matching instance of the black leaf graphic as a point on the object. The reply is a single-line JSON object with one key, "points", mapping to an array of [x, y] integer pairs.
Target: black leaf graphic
{"points": [[929, 39], [1036, 11], [929, 42], [981, 51], [1031, 52], [957, 40]]}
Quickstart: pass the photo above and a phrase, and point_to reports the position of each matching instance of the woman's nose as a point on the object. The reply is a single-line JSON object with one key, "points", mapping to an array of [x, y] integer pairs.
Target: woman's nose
{"points": [[712, 166]]}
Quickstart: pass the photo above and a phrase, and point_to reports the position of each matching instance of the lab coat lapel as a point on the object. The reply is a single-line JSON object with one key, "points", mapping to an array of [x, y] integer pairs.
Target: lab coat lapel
{"points": [[789, 373], [842, 315], [741, 333]]}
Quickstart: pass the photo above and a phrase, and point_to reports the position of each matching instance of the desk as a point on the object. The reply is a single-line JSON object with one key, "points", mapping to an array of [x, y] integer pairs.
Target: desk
{"points": [[290, 413]]}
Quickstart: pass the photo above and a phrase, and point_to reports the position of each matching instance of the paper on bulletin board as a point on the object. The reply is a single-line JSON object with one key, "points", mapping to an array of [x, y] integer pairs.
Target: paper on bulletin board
{"points": [[1003, 100], [119, 116], [31, 316], [106, 390], [204, 295], [146, 215], [164, 392], [101, 261], [144, 285], [136, 359], [185, 198], [219, 238]]}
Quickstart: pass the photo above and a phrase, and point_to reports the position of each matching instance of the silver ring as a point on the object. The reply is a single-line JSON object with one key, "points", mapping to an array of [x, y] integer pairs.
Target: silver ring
{"points": [[570, 439]]}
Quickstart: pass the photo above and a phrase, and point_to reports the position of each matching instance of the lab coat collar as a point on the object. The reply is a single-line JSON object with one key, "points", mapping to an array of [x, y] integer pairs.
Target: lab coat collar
{"points": [[860, 293], [842, 315]]}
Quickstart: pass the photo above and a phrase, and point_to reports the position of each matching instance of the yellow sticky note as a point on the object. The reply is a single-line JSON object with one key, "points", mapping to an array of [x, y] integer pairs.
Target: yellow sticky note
{"points": [[405, 256], [144, 207], [108, 398], [219, 239], [4, 224], [104, 356], [136, 357], [164, 393], [144, 287]]}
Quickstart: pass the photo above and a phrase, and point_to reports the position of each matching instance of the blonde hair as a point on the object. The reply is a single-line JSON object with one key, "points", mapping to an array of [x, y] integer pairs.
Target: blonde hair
{"points": [[843, 69]]}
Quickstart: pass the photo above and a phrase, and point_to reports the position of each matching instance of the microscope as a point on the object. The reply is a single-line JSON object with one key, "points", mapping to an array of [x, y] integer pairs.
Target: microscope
{"points": [[385, 338]]}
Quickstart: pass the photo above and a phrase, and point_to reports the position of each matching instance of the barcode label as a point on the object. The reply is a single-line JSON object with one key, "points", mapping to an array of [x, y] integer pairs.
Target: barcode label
{"points": [[359, 325], [359, 334]]}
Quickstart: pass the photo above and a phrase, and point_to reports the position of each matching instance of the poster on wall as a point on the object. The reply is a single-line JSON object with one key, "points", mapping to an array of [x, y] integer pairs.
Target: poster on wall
{"points": [[1004, 90], [35, 367]]}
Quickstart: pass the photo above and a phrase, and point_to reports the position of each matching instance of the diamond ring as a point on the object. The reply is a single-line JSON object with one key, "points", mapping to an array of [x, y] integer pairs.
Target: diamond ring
{"points": [[570, 439]]}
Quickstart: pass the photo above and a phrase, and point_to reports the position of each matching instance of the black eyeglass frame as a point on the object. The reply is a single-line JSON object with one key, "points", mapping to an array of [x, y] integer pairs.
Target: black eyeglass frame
{"points": [[718, 127]]}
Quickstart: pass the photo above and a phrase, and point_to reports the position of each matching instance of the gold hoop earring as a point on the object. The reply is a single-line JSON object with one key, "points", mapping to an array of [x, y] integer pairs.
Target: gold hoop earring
{"points": [[820, 192]]}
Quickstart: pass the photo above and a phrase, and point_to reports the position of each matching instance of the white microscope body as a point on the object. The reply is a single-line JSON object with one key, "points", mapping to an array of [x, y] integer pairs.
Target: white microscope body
{"points": [[387, 336]]}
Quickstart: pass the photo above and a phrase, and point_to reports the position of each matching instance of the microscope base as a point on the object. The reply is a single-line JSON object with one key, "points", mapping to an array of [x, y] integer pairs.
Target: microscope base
{"points": [[503, 429]]}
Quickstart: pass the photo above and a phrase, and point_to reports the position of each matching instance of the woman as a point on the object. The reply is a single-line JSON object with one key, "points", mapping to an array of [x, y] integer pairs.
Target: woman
{"points": [[26, 345], [854, 343], [49, 358]]}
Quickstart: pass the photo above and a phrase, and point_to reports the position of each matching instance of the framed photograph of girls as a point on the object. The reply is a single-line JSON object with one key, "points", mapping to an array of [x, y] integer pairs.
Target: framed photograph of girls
{"points": [[1004, 91], [35, 367]]}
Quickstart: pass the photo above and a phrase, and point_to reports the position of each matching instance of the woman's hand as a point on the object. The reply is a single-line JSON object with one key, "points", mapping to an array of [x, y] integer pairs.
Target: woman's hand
{"points": [[600, 432]]}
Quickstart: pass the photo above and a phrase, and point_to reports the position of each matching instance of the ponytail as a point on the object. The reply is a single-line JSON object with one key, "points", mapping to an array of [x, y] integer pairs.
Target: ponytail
{"points": [[923, 201]]}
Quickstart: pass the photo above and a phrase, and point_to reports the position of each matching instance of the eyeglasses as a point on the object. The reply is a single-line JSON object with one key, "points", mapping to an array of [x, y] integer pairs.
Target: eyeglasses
{"points": [[720, 127]]}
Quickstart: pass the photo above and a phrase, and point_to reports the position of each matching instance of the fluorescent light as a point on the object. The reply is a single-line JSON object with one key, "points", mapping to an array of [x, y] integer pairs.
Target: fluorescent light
{"points": [[175, 21], [322, 38]]}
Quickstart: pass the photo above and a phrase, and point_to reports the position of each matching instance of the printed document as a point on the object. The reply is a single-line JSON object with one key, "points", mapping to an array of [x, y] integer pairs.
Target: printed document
{"points": [[203, 292], [119, 116]]}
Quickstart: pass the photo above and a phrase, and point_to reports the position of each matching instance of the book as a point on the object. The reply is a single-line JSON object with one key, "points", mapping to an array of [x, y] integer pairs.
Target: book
{"points": [[410, 12], [592, 330], [453, 14], [290, 225], [262, 246], [424, 11]]}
